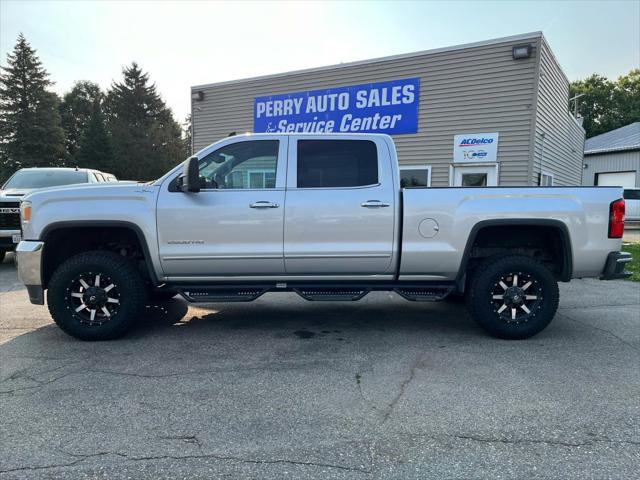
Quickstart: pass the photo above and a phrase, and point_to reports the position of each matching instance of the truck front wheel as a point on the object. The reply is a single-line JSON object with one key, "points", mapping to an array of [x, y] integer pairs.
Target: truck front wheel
{"points": [[96, 295], [513, 297]]}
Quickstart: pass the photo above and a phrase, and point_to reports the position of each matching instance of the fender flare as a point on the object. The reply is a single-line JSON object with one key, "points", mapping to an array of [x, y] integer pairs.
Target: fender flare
{"points": [[107, 224], [559, 226]]}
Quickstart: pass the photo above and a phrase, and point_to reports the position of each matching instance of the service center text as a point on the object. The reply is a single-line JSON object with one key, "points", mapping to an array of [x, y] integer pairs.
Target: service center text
{"points": [[385, 107]]}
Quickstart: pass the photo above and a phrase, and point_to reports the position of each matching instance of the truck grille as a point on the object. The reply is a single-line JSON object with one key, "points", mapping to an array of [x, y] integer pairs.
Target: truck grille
{"points": [[9, 220]]}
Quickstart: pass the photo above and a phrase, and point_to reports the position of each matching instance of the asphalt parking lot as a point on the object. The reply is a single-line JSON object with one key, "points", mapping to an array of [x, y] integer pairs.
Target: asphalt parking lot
{"points": [[283, 388]]}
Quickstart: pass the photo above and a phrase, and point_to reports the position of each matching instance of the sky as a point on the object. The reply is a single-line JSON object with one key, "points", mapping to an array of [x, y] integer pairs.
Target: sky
{"points": [[187, 43]]}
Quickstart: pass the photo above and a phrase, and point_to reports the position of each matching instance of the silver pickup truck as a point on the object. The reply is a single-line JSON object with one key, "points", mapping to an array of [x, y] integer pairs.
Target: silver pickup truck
{"points": [[321, 215]]}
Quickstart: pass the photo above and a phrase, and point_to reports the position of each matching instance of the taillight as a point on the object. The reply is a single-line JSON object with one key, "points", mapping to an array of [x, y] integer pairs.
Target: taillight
{"points": [[616, 219]]}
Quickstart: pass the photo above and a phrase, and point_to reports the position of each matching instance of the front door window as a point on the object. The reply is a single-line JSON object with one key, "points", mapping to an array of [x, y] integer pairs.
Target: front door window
{"points": [[240, 166]]}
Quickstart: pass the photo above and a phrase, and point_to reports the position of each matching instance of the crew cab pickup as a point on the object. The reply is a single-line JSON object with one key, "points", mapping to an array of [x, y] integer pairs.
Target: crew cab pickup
{"points": [[322, 215]]}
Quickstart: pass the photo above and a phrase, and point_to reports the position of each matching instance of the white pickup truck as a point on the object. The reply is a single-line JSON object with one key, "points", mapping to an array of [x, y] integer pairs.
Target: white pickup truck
{"points": [[321, 215]]}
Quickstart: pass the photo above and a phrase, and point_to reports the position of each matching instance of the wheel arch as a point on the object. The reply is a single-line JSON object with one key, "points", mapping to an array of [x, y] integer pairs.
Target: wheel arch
{"points": [[557, 226], [56, 227]]}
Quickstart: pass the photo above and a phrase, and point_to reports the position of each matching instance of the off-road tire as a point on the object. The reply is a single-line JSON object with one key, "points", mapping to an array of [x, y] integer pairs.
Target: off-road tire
{"points": [[129, 287], [495, 316]]}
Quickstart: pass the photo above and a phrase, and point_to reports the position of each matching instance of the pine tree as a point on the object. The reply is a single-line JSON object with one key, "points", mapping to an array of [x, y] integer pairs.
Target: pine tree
{"points": [[146, 140], [76, 110], [95, 145], [30, 130]]}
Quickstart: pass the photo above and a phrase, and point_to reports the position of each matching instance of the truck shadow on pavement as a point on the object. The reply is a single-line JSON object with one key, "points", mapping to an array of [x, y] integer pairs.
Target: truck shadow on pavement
{"points": [[287, 315], [277, 316]]}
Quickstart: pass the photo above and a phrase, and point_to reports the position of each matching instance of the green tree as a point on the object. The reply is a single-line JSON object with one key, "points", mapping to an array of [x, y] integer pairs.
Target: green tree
{"points": [[187, 134], [76, 110], [95, 150], [146, 140], [628, 97], [607, 105], [30, 128]]}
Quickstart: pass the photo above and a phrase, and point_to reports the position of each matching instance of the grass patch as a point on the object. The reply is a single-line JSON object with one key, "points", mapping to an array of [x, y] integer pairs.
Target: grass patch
{"points": [[633, 265]]}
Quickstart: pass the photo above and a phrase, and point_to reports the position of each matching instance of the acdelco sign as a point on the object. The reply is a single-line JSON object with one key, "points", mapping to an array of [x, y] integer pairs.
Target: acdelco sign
{"points": [[475, 147], [468, 142]]}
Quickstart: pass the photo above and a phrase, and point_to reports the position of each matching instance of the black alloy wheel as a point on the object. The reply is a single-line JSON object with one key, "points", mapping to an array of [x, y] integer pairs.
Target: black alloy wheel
{"points": [[513, 297], [96, 295]]}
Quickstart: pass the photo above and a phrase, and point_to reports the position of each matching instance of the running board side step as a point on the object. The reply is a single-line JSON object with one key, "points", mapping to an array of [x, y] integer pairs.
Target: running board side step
{"points": [[313, 292], [221, 294], [331, 294], [425, 294]]}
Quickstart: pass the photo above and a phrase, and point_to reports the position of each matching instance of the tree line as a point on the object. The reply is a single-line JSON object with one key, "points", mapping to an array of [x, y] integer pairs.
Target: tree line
{"points": [[608, 104], [128, 130]]}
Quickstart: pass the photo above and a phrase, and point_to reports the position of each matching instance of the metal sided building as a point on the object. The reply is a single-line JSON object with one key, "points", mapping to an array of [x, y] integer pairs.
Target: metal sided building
{"points": [[488, 113], [613, 158]]}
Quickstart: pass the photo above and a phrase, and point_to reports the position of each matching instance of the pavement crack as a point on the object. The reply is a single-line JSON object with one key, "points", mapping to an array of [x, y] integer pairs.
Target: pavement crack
{"points": [[249, 460], [545, 442], [40, 384], [365, 400], [193, 439], [79, 458], [403, 387], [175, 374], [83, 457], [524, 441], [622, 340]]}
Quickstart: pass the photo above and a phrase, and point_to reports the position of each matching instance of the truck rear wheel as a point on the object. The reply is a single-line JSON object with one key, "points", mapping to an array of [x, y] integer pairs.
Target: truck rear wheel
{"points": [[96, 295], [513, 297]]}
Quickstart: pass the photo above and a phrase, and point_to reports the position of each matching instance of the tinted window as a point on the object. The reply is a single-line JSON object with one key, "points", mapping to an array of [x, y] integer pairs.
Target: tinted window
{"points": [[337, 163], [632, 194], [45, 178], [242, 165]]}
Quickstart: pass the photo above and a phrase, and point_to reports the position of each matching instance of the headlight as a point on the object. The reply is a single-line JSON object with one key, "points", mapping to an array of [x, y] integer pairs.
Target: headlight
{"points": [[25, 212]]}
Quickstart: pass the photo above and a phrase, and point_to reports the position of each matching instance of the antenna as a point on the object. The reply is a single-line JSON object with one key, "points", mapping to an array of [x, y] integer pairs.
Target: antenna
{"points": [[575, 103]]}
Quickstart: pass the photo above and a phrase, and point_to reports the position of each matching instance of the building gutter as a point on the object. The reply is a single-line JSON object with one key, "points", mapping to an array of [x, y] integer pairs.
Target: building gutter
{"points": [[534, 113]]}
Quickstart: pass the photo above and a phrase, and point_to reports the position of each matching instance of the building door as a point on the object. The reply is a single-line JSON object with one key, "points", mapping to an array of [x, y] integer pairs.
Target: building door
{"points": [[616, 179], [475, 176]]}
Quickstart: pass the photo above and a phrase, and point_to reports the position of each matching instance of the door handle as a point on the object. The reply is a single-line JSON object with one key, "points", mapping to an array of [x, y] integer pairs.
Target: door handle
{"points": [[374, 204], [264, 204]]}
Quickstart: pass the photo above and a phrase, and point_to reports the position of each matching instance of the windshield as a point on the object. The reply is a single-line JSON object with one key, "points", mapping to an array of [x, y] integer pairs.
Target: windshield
{"points": [[45, 178]]}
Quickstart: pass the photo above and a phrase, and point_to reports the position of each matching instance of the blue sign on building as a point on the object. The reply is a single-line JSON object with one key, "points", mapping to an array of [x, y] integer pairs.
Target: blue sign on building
{"points": [[383, 107]]}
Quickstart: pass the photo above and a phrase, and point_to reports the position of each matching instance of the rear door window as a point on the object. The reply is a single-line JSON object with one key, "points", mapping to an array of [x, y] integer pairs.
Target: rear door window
{"points": [[336, 163]]}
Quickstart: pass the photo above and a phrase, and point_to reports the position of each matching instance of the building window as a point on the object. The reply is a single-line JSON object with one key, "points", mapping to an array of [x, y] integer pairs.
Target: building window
{"points": [[546, 179], [415, 176], [474, 179], [262, 178], [337, 163]]}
